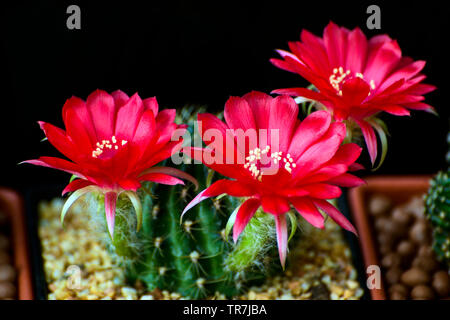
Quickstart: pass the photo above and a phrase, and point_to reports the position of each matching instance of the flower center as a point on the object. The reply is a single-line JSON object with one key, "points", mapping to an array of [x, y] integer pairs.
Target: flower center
{"points": [[107, 145], [338, 78], [255, 165]]}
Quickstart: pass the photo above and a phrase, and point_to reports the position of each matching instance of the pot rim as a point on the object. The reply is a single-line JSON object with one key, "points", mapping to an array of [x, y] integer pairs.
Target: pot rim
{"points": [[385, 184], [12, 204]]}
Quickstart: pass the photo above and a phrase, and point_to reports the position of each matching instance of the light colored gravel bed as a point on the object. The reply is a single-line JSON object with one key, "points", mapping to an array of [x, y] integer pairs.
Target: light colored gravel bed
{"points": [[319, 268]]}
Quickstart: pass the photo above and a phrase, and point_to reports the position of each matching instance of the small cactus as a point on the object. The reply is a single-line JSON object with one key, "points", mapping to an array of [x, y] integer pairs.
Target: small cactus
{"points": [[437, 204]]}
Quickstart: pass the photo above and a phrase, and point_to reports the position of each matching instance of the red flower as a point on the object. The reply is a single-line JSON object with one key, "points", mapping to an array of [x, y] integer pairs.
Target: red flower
{"points": [[113, 141], [303, 168], [356, 78]]}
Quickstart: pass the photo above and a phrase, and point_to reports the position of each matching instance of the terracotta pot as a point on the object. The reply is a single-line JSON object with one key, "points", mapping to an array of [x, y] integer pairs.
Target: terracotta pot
{"points": [[11, 203], [399, 189]]}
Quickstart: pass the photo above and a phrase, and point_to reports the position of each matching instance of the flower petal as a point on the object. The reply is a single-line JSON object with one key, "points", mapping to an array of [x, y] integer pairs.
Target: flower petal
{"points": [[232, 188], [370, 138], [245, 213], [347, 154], [151, 104], [165, 125], [355, 91], [173, 172], [396, 110], [283, 118], [78, 122], [308, 210], [320, 152], [129, 184], [145, 131], [161, 178], [322, 191], [335, 41], [58, 138], [238, 114], [323, 174], [120, 98], [217, 163], [310, 130], [334, 213], [57, 163], [275, 205], [129, 116], [102, 109], [75, 185], [281, 227], [260, 103], [79, 125], [137, 205], [110, 211], [74, 197], [382, 59], [356, 51], [346, 180], [301, 92]]}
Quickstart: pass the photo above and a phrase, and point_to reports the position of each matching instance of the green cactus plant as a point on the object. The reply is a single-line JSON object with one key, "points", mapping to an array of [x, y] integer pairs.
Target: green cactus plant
{"points": [[437, 204], [194, 257]]}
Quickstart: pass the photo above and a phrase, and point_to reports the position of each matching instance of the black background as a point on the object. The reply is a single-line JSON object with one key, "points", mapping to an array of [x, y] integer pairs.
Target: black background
{"points": [[194, 52]]}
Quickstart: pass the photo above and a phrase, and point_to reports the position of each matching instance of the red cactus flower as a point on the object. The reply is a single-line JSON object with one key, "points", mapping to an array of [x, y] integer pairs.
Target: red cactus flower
{"points": [[289, 163], [356, 78], [113, 142]]}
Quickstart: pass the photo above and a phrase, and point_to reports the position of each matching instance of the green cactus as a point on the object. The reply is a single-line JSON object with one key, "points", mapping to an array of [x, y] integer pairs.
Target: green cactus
{"points": [[437, 204], [194, 257]]}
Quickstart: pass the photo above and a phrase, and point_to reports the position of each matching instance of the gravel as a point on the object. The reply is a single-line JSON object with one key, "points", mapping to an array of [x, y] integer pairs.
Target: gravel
{"points": [[78, 266]]}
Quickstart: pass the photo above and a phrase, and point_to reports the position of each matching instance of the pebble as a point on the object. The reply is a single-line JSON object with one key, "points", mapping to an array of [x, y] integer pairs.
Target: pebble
{"points": [[419, 233], [410, 267], [425, 263], [414, 277], [390, 260], [441, 283], [426, 251], [379, 204], [401, 216], [396, 295], [399, 288], [422, 292], [7, 272], [406, 248], [7, 290], [393, 275]]}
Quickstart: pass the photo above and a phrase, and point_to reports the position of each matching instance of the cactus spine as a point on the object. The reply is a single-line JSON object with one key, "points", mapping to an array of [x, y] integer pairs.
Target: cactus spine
{"points": [[437, 204]]}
